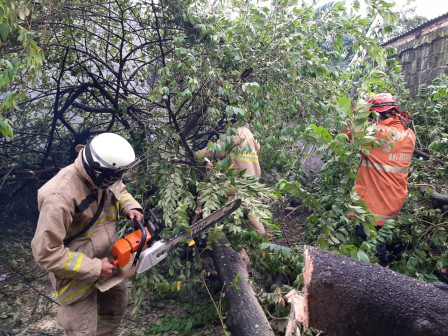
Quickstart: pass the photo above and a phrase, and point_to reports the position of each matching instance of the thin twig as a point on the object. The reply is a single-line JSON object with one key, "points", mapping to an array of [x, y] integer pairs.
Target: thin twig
{"points": [[24, 281], [290, 213], [6, 175], [218, 311]]}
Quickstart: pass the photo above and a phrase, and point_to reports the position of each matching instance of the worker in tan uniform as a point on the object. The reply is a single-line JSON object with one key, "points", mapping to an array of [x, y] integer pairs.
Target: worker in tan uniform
{"points": [[383, 173], [247, 161], [78, 212]]}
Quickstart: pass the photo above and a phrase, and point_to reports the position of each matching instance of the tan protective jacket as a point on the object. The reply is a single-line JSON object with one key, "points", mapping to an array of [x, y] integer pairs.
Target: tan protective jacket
{"points": [[67, 203], [240, 161]]}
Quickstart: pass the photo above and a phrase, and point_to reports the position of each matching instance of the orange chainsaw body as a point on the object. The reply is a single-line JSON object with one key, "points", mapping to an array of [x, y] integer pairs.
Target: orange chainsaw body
{"points": [[122, 249]]}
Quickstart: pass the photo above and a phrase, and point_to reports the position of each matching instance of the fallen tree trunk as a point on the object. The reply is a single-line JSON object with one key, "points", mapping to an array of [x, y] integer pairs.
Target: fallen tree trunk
{"points": [[344, 296], [245, 317], [421, 154], [442, 199]]}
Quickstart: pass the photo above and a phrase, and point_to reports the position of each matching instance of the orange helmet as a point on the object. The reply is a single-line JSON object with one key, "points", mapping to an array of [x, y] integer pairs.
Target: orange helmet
{"points": [[383, 102]]}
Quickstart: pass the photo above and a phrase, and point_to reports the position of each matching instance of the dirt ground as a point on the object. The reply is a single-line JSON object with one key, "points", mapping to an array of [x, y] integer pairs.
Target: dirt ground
{"points": [[28, 306], [29, 311]]}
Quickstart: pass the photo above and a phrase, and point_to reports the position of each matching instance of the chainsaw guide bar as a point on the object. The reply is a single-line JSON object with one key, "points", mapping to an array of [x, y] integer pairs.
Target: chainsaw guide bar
{"points": [[160, 249]]}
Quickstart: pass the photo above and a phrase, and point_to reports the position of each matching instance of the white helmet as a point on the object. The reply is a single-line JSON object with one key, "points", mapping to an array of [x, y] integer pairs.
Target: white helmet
{"points": [[108, 154]]}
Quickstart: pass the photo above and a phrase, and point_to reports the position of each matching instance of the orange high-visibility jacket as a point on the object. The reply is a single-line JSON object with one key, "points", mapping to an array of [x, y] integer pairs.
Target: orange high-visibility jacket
{"points": [[383, 174]]}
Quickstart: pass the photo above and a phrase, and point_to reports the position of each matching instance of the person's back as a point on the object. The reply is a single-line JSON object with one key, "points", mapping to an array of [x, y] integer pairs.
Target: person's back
{"points": [[383, 173], [246, 160], [241, 160]]}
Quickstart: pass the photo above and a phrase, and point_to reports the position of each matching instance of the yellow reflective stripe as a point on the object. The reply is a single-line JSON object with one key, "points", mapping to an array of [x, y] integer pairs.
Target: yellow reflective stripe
{"points": [[247, 160], [125, 197], [253, 216], [244, 155], [67, 263], [384, 217], [386, 168], [104, 219], [78, 264], [73, 289], [106, 215], [73, 229], [72, 265]]}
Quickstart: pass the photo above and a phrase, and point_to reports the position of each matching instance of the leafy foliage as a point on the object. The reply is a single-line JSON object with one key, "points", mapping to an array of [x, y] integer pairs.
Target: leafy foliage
{"points": [[21, 58], [170, 74]]}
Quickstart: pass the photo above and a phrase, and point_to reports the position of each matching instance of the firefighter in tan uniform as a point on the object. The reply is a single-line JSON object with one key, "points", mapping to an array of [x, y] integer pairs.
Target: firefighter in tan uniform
{"points": [[240, 161], [79, 210], [383, 174]]}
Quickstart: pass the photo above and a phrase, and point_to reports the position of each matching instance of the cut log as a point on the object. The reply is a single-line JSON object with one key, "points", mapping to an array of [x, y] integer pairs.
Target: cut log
{"points": [[245, 317], [421, 154], [344, 296], [443, 199]]}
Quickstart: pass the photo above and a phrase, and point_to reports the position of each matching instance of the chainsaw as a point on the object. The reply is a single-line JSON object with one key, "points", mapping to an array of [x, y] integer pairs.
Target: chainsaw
{"points": [[140, 250]]}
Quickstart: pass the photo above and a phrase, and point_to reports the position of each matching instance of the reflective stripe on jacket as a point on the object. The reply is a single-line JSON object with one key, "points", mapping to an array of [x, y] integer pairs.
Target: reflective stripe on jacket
{"points": [[240, 160], [66, 204], [383, 173]]}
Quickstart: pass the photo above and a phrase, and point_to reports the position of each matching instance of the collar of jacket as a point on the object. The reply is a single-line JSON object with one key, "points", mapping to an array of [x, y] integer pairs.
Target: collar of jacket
{"points": [[115, 188], [392, 122], [82, 171]]}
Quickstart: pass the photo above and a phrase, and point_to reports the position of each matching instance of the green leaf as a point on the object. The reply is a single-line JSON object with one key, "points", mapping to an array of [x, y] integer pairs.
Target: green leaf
{"points": [[344, 102], [363, 256]]}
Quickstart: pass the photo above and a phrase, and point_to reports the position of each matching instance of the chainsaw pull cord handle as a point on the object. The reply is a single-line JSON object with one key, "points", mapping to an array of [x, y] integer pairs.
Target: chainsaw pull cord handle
{"points": [[142, 241]]}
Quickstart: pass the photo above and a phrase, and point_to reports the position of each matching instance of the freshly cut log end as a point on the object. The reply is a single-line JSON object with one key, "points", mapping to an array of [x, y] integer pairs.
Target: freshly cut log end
{"points": [[344, 296]]}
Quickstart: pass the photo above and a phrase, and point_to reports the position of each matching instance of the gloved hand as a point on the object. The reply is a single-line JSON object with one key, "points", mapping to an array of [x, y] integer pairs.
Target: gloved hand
{"points": [[107, 269], [208, 163], [134, 213]]}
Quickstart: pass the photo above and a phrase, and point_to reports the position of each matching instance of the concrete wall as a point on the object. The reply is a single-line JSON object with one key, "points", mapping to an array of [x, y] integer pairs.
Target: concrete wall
{"points": [[423, 52]]}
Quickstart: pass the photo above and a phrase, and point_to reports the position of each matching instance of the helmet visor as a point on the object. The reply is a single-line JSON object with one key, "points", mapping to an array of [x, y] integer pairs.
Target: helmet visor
{"points": [[107, 177], [384, 107], [110, 176]]}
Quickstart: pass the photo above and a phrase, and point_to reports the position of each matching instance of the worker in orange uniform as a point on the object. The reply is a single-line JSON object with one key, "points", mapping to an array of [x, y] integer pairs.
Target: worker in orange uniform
{"points": [[383, 174], [240, 161], [78, 213]]}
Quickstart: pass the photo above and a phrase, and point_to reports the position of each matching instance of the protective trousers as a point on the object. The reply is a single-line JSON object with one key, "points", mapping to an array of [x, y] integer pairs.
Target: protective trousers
{"points": [[98, 314]]}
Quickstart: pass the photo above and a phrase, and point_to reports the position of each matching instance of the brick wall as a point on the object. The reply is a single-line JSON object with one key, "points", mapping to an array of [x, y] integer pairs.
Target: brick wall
{"points": [[423, 52]]}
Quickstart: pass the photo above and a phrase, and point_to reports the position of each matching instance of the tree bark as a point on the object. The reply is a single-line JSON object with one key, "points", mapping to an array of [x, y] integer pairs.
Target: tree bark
{"points": [[245, 316], [419, 153], [344, 296], [442, 199]]}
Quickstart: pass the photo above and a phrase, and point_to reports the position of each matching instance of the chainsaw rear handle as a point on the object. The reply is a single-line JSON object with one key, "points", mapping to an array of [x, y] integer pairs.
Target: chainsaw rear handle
{"points": [[142, 241]]}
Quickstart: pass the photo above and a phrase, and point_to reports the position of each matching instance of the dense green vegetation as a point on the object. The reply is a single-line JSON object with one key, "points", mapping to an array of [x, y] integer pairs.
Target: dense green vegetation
{"points": [[168, 75]]}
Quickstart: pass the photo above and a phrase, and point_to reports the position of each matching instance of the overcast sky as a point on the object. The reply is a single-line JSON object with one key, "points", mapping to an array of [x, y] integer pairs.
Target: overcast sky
{"points": [[427, 8], [430, 8]]}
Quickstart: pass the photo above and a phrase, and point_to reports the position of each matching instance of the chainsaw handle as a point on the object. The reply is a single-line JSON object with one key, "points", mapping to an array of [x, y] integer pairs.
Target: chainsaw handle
{"points": [[142, 241]]}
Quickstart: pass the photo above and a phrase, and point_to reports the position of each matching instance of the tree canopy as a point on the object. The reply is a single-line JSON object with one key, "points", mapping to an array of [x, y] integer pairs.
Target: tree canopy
{"points": [[169, 74]]}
